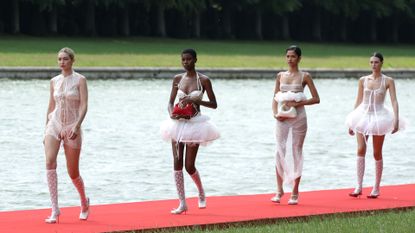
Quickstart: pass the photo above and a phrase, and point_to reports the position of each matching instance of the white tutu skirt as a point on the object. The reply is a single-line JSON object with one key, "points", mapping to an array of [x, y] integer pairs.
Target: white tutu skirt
{"points": [[197, 130], [369, 122]]}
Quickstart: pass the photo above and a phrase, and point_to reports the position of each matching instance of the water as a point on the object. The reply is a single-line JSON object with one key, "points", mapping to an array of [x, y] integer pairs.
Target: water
{"points": [[124, 159]]}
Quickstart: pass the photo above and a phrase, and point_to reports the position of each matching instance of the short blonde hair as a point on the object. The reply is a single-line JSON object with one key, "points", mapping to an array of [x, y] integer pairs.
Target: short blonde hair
{"points": [[68, 51]]}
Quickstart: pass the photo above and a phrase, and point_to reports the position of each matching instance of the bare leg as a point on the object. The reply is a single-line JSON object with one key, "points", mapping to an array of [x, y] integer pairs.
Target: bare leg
{"points": [[51, 154], [72, 164], [377, 153], [190, 161], [178, 149]]}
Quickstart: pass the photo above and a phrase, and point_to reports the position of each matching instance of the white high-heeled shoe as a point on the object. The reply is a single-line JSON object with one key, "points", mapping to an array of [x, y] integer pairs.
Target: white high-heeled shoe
{"points": [[293, 199], [84, 213], [202, 203], [374, 194], [180, 209], [277, 197], [54, 217]]}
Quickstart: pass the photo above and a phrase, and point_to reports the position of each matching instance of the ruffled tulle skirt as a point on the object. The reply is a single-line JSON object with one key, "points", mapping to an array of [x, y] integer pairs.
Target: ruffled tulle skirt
{"points": [[370, 122], [197, 130]]}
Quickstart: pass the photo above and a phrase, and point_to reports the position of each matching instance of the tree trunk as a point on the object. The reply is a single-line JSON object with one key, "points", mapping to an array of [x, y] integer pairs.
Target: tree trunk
{"points": [[317, 25], [395, 28], [15, 27], [53, 20], [373, 31], [196, 25], [343, 32], [258, 24], [125, 21], [285, 27], [227, 24], [161, 26], [90, 29]]}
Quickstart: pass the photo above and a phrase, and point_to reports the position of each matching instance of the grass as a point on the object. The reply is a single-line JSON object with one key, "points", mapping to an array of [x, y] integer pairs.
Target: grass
{"points": [[156, 52], [368, 222]]}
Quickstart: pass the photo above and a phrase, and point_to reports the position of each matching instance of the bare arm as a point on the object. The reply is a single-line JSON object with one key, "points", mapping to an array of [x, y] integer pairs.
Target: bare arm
{"points": [[276, 90], [359, 97], [51, 105], [83, 106], [315, 99], [207, 85], [395, 106], [173, 94]]}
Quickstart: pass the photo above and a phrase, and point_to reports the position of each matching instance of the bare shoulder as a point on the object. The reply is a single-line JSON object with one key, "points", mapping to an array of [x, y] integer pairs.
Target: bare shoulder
{"points": [[307, 76], [177, 78], [204, 78], [388, 78], [389, 81], [279, 75]]}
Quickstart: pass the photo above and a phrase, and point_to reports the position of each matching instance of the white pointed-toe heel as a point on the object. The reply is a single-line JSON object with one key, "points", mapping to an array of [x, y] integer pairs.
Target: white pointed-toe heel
{"points": [[277, 197], [179, 210], [84, 212], [53, 218], [293, 199]]}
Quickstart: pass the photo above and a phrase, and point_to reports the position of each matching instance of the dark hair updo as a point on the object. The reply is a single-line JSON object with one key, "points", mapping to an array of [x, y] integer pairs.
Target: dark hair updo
{"points": [[294, 48], [191, 52], [378, 55]]}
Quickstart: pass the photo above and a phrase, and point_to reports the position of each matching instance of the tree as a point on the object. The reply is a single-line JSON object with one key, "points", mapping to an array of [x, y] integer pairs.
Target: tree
{"points": [[347, 10], [15, 20], [50, 6], [282, 8], [193, 9]]}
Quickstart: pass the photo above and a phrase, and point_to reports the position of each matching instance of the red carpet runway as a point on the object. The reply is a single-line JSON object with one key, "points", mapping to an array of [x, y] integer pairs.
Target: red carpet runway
{"points": [[222, 209]]}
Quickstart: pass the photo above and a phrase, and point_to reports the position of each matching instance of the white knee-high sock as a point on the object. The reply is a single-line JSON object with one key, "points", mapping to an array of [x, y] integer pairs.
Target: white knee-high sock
{"points": [[52, 179], [178, 178], [196, 178], [360, 166], [79, 185], [379, 170]]}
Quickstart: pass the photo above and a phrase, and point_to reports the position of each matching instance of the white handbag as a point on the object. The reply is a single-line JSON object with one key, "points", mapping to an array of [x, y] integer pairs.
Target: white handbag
{"points": [[287, 112]]}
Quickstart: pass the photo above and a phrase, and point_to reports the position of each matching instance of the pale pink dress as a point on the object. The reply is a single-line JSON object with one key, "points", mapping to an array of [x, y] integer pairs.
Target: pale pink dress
{"points": [[290, 133]]}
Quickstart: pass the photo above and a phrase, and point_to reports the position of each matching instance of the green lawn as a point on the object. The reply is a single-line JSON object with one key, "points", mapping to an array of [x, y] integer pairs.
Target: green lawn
{"points": [[156, 52], [371, 222]]}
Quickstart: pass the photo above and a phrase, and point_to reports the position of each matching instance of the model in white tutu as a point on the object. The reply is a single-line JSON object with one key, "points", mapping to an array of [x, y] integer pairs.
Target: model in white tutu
{"points": [[185, 130], [291, 127], [371, 118]]}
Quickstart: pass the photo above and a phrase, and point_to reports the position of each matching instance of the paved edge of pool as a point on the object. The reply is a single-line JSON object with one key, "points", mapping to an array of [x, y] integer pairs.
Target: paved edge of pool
{"points": [[169, 72]]}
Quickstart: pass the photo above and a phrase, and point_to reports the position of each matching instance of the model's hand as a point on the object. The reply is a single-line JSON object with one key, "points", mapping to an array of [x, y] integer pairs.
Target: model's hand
{"points": [[279, 118], [74, 132], [351, 132]]}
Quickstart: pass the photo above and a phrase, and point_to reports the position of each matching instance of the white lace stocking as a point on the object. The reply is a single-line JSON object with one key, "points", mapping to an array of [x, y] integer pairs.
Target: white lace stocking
{"points": [[52, 179], [79, 185], [196, 178], [178, 178], [360, 166]]}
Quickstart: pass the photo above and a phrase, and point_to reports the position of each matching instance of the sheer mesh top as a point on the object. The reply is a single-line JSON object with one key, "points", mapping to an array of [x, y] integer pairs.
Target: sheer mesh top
{"points": [[373, 99], [67, 98], [296, 86]]}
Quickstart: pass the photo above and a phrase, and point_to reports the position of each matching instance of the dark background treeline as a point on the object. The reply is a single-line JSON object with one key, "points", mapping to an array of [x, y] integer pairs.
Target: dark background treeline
{"points": [[305, 20]]}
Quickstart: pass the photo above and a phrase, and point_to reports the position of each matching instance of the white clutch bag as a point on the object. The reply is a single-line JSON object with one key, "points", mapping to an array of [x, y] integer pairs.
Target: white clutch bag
{"points": [[287, 112]]}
